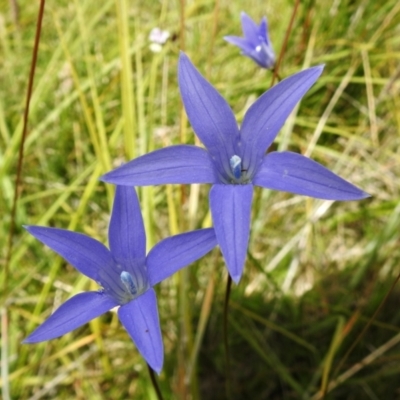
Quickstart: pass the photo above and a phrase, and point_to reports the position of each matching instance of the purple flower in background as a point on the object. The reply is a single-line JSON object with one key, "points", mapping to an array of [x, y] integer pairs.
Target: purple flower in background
{"points": [[234, 161], [124, 272], [255, 43]]}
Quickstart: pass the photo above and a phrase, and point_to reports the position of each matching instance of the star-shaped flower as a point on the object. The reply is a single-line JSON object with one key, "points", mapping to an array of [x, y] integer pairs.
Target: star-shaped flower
{"points": [[255, 43], [234, 160], [126, 275]]}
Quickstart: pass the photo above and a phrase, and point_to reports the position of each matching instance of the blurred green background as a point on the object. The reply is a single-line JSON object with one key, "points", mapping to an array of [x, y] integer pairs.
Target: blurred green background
{"points": [[316, 270]]}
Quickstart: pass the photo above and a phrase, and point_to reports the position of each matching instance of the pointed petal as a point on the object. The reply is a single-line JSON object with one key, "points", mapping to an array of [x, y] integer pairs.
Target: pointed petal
{"points": [[209, 114], [263, 30], [126, 232], [140, 319], [262, 53], [231, 209], [250, 29], [75, 312], [176, 252], [240, 42], [174, 164], [87, 255], [294, 173], [267, 115]]}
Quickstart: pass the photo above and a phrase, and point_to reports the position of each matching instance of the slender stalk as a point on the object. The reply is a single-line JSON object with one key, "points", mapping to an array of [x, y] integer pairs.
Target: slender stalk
{"points": [[17, 190], [155, 383], [127, 85], [226, 345], [5, 390], [213, 37], [275, 74], [202, 324], [18, 184]]}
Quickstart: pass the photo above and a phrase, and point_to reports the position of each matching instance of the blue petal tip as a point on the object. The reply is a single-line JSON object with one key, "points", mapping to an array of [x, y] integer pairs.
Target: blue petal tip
{"points": [[365, 195], [104, 178], [29, 340], [236, 278]]}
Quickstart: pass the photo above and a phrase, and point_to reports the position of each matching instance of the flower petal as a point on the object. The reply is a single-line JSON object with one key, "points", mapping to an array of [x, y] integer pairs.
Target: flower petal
{"points": [[261, 53], [126, 232], [174, 253], [210, 115], [240, 42], [263, 56], [263, 30], [294, 173], [140, 319], [250, 29], [75, 312], [174, 164], [230, 209], [267, 115], [87, 255]]}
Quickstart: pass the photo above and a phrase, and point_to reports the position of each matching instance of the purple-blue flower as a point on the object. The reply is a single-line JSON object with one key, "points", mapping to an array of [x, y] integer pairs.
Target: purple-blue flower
{"points": [[124, 272], [255, 43], [234, 160]]}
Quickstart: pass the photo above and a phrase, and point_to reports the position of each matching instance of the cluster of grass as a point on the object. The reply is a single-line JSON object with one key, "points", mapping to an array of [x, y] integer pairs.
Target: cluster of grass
{"points": [[316, 270]]}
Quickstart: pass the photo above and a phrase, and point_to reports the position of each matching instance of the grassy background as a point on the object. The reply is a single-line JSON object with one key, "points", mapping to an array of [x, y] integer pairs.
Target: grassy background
{"points": [[316, 270]]}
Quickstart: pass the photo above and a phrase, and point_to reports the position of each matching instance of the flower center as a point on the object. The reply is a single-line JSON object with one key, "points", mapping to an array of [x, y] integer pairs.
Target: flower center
{"points": [[127, 281], [122, 285], [236, 166]]}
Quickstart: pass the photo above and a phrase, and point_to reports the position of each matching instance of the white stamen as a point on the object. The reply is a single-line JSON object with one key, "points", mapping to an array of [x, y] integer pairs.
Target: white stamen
{"points": [[236, 166], [127, 280]]}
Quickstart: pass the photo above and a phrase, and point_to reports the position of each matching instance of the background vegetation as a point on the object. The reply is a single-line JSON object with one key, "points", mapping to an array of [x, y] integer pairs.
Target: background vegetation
{"points": [[316, 270]]}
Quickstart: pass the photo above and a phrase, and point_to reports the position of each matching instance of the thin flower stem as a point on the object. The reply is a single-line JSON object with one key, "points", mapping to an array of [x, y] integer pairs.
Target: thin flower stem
{"points": [[4, 319], [285, 42], [213, 37], [154, 382], [5, 389], [15, 12], [278, 77], [18, 185], [226, 345]]}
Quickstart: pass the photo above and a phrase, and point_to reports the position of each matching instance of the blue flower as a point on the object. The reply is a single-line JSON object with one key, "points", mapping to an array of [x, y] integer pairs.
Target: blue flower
{"points": [[256, 43], [124, 272], [234, 160]]}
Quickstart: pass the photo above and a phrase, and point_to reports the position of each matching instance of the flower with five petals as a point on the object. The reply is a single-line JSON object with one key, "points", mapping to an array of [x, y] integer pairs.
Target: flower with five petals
{"points": [[255, 43], [126, 274], [234, 160]]}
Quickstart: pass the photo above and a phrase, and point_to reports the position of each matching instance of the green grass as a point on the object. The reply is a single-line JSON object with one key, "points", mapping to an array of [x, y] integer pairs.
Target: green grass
{"points": [[316, 270]]}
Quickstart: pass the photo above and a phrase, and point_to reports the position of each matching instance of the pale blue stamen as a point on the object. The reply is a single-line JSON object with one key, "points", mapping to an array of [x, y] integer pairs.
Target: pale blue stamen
{"points": [[236, 166], [127, 280]]}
